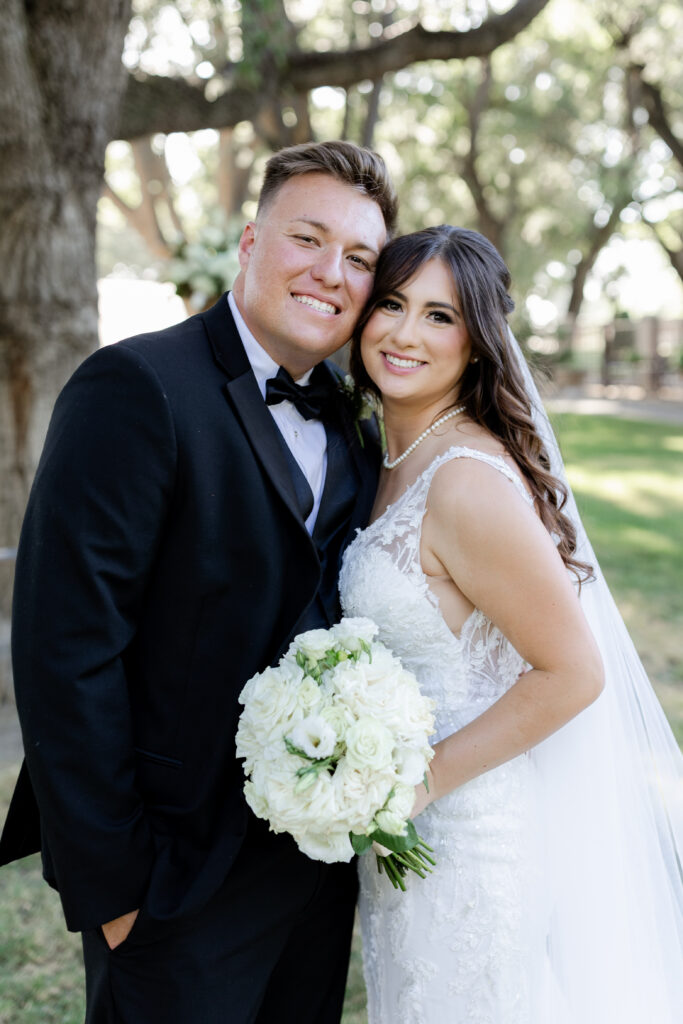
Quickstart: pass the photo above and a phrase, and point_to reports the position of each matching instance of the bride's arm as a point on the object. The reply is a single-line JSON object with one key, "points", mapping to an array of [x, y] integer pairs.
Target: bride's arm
{"points": [[500, 556]]}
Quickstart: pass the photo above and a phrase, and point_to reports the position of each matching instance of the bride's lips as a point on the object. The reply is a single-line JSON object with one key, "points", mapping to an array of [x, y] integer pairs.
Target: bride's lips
{"points": [[401, 364]]}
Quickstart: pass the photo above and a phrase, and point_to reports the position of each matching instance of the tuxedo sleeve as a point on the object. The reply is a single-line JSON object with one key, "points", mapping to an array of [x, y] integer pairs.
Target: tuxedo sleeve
{"points": [[93, 525]]}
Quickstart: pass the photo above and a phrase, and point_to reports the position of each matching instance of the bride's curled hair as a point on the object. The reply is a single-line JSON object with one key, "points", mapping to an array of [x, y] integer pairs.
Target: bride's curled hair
{"points": [[491, 387]]}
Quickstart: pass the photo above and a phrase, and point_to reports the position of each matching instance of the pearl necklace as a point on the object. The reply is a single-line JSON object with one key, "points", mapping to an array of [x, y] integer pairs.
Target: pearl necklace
{"points": [[420, 439]]}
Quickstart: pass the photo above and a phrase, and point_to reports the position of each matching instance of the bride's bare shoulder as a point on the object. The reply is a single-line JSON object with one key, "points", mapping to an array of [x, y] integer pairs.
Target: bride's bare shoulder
{"points": [[476, 485]]}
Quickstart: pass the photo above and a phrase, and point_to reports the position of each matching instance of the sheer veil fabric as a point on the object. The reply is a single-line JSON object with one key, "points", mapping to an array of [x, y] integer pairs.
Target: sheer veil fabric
{"points": [[612, 810]]}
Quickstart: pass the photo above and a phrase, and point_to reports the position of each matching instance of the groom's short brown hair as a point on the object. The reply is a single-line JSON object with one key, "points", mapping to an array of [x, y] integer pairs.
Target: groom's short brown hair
{"points": [[353, 165]]}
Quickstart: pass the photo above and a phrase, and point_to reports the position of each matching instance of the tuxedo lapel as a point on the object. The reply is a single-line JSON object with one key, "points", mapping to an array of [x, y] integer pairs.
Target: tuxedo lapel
{"points": [[246, 400], [364, 459], [341, 485]]}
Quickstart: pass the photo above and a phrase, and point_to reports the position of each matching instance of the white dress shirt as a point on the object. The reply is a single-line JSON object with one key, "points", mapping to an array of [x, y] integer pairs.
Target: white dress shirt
{"points": [[306, 439]]}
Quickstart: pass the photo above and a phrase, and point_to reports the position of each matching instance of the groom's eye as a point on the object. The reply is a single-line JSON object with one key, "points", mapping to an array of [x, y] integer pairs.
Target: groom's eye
{"points": [[360, 262]]}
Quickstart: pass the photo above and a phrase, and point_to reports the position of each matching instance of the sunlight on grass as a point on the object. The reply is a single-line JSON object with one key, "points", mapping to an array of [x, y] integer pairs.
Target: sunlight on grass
{"points": [[647, 494]]}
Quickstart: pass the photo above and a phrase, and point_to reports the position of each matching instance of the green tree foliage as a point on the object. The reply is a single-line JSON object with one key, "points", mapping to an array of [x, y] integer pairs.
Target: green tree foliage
{"points": [[550, 143]]}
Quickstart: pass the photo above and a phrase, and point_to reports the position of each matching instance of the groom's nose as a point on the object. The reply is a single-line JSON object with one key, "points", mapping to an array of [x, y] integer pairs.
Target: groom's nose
{"points": [[328, 266]]}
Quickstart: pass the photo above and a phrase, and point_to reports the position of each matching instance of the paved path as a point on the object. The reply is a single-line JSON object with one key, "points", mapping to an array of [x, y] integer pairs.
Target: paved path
{"points": [[628, 409]]}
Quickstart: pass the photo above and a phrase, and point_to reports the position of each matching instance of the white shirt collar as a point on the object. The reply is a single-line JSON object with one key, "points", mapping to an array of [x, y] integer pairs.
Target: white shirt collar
{"points": [[263, 365]]}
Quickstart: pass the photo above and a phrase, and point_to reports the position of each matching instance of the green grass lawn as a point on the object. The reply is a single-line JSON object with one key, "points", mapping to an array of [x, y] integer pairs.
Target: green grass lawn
{"points": [[628, 479]]}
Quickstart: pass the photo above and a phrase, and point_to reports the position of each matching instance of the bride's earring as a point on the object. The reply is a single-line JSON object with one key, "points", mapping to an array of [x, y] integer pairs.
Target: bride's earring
{"points": [[474, 359]]}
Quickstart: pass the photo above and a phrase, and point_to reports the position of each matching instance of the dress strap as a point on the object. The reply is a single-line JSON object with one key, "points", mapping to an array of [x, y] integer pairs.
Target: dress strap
{"points": [[496, 461]]}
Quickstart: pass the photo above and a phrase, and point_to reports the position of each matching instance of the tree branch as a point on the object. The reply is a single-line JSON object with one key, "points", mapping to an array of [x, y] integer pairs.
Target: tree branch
{"points": [[651, 98], [598, 237], [157, 104], [415, 44], [675, 255], [489, 225], [139, 219]]}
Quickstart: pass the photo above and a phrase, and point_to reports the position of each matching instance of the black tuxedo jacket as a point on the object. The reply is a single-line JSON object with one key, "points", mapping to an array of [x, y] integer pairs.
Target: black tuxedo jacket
{"points": [[162, 562]]}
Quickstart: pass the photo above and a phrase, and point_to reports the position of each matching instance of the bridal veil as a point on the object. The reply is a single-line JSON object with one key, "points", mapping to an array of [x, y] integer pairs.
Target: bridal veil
{"points": [[612, 811]]}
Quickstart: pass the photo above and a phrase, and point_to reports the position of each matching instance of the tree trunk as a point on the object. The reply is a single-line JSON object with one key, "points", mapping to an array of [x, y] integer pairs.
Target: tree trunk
{"points": [[61, 80]]}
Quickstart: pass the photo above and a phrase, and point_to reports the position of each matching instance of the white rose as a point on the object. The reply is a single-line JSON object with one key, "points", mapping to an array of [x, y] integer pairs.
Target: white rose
{"points": [[366, 695], [315, 643], [392, 823], [411, 764], [369, 744], [339, 717], [417, 718], [256, 800], [308, 695], [393, 817], [315, 736], [300, 810], [321, 802], [270, 699], [402, 800], [381, 664], [247, 745], [271, 788], [360, 794], [329, 847], [350, 632]]}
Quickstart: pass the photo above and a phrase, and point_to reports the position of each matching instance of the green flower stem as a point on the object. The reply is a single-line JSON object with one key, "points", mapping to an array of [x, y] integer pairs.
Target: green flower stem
{"points": [[394, 874], [414, 862], [420, 851], [398, 863]]}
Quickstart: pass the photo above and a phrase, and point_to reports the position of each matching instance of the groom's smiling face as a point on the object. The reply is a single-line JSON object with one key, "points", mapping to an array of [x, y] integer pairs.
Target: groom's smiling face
{"points": [[307, 265]]}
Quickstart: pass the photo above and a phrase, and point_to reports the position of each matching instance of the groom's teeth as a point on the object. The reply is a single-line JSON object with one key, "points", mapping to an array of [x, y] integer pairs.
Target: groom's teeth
{"points": [[324, 307], [404, 364]]}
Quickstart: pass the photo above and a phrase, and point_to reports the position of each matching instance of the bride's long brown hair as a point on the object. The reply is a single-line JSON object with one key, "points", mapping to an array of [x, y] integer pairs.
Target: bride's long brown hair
{"points": [[491, 387]]}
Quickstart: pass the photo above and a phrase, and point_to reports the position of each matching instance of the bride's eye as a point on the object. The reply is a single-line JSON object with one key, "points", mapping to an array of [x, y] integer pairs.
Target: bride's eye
{"points": [[391, 305]]}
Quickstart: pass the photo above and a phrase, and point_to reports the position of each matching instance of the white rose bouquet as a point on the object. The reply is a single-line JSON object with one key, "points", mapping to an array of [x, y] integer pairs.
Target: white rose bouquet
{"points": [[334, 741]]}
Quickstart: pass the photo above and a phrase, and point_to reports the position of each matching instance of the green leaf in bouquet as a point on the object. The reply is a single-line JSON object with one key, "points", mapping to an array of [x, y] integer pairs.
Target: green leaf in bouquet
{"points": [[297, 751], [360, 843], [397, 844], [365, 646]]}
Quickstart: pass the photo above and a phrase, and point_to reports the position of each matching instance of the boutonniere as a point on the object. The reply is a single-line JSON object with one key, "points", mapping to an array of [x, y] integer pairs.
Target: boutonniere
{"points": [[363, 405]]}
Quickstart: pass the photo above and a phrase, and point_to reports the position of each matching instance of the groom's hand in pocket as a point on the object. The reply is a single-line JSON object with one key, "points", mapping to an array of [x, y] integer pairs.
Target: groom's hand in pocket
{"points": [[118, 930]]}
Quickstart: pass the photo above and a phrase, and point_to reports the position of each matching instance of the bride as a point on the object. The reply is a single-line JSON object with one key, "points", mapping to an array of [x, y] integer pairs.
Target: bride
{"points": [[553, 801]]}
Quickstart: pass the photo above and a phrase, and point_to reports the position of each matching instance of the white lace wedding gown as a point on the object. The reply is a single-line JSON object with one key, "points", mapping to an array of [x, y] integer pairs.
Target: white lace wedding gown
{"points": [[465, 945]]}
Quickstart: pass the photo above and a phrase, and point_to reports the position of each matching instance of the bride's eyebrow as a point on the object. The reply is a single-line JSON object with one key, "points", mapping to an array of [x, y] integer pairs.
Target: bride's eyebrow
{"points": [[442, 305]]}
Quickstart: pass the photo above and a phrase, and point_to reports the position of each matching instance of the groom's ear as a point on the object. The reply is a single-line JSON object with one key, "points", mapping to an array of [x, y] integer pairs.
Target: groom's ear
{"points": [[246, 244]]}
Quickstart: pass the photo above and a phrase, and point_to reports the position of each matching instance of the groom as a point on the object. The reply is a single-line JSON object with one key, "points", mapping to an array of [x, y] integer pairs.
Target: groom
{"points": [[195, 493]]}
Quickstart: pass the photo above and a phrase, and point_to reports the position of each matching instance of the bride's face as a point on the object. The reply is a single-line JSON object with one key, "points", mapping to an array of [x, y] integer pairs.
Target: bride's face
{"points": [[415, 346]]}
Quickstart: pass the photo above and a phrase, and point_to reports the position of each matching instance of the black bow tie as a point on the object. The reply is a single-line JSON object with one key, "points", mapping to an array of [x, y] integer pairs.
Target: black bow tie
{"points": [[312, 400]]}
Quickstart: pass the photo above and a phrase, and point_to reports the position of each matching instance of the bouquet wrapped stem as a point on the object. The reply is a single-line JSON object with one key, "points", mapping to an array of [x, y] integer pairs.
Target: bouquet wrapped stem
{"points": [[405, 853]]}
